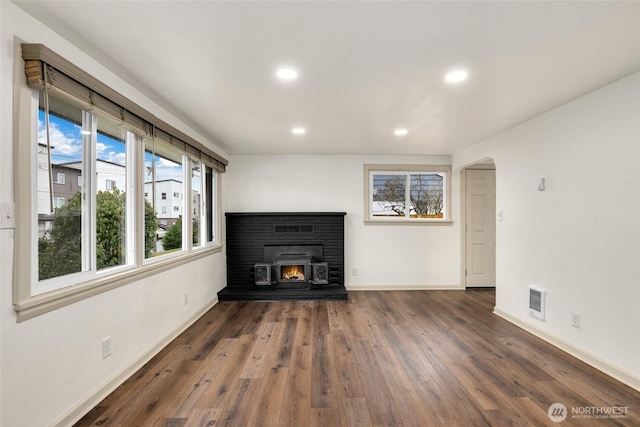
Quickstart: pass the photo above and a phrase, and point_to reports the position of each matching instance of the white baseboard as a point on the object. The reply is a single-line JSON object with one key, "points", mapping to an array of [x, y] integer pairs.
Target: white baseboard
{"points": [[388, 287], [619, 374], [73, 415]]}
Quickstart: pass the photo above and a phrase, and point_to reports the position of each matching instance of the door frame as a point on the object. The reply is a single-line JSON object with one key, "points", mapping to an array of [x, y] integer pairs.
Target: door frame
{"points": [[485, 164]]}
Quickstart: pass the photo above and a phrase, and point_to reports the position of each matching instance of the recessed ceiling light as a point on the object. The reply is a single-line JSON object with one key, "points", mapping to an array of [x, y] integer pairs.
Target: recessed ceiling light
{"points": [[298, 131], [287, 74], [456, 76], [400, 132]]}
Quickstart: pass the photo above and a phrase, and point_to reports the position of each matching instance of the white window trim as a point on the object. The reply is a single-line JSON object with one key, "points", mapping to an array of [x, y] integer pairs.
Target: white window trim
{"points": [[369, 219], [202, 218], [56, 200], [27, 304], [57, 179]]}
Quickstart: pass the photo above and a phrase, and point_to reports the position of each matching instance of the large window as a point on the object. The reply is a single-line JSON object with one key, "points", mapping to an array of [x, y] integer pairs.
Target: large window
{"points": [[407, 193], [164, 173], [94, 180], [86, 231]]}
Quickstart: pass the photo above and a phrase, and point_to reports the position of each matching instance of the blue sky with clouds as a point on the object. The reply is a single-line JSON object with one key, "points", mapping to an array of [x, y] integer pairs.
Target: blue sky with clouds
{"points": [[66, 140]]}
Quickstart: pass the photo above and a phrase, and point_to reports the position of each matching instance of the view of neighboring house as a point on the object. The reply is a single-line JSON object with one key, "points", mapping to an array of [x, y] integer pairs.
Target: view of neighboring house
{"points": [[167, 202], [110, 175], [66, 181]]}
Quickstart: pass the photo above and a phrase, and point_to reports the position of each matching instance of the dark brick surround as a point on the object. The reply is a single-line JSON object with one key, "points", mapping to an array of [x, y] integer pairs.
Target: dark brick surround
{"points": [[249, 236]]}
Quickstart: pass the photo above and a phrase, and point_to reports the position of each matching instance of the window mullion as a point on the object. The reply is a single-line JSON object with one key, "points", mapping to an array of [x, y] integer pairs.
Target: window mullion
{"points": [[88, 219], [371, 192], [187, 215], [407, 196], [213, 193], [204, 227], [131, 210]]}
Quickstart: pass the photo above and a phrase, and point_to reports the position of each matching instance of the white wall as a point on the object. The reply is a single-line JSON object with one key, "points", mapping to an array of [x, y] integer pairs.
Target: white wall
{"points": [[386, 256], [579, 239], [50, 364]]}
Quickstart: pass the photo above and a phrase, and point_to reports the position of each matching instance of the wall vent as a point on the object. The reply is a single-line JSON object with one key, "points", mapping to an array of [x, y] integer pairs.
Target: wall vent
{"points": [[537, 302], [284, 228]]}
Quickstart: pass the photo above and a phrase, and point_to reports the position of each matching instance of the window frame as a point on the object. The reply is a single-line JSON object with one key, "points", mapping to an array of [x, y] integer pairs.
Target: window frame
{"points": [[405, 169], [58, 202], [27, 304], [172, 154], [198, 209], [59, 178]]}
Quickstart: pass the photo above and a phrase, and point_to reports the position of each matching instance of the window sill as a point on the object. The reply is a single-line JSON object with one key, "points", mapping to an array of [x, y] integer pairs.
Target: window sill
{"points": [[46, 302]]}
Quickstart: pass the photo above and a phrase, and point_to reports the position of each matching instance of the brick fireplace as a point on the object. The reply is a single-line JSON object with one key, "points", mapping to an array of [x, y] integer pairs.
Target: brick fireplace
{"points": [[284, 255]]}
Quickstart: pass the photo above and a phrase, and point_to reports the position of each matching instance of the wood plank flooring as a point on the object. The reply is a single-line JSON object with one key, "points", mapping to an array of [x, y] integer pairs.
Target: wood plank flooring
{"points": [[397, 358]]}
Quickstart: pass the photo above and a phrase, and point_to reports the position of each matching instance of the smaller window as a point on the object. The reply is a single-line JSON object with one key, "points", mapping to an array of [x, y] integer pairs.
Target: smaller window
{"points": [[58, 178], [407, 193], [176, 208], [163, 210], [58, 202], [176, 195], [111, 185], [164, 196]]}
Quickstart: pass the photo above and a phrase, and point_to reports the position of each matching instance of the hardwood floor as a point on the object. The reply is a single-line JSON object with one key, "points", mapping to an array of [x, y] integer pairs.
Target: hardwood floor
{"points": [[398, 358]]}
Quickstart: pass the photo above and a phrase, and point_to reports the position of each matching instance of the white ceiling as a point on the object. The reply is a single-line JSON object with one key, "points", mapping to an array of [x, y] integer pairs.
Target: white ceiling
{"points": [[365, 67]]}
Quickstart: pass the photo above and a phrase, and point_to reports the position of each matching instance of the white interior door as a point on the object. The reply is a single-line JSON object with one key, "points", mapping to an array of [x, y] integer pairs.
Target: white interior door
{"points": [[480, 228]]}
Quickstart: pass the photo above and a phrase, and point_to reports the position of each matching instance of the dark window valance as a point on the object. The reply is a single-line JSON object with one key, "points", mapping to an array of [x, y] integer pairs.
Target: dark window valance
{"points": [[43, 65]]}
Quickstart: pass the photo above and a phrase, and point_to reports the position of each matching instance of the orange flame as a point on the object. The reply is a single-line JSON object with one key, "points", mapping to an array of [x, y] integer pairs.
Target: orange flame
{"points": [[292, 272]]}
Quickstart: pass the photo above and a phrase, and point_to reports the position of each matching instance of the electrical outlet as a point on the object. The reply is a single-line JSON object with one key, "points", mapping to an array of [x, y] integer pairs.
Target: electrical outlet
{"points": [[106, 347], [575, 320], [185, 298]]}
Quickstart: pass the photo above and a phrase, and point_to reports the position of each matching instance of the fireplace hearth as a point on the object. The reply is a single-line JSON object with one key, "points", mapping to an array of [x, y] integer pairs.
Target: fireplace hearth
{"points": [[276, 256]]}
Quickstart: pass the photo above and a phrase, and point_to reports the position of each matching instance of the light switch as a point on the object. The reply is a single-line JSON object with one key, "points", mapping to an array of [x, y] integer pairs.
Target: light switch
{"points": [[499, 215], [7, 215], [541, 183]]}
